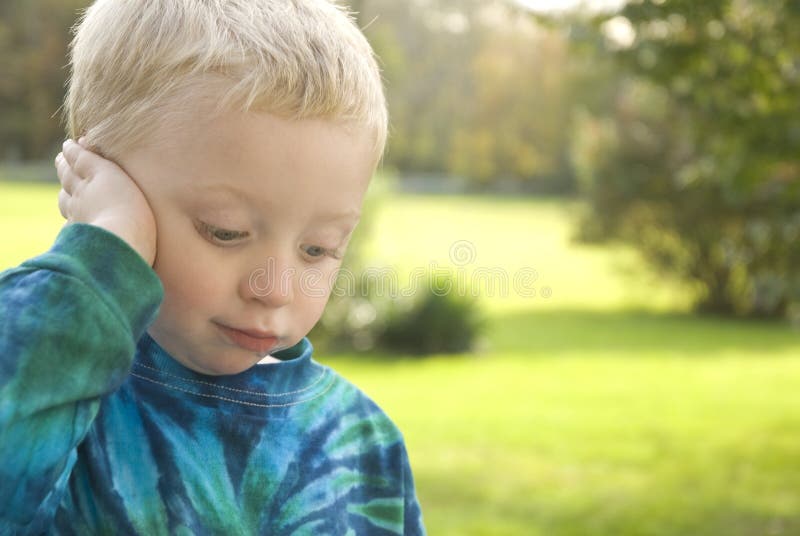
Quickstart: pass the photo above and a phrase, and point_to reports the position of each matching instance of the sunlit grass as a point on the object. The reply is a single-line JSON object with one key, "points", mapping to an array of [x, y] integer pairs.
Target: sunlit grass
{"points": [[29, 220], [605, 409], [507, 238]]}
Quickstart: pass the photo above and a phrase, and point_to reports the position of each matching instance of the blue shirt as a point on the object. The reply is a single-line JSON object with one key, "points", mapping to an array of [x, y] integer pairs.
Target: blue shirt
{"points": [[102, 431]]}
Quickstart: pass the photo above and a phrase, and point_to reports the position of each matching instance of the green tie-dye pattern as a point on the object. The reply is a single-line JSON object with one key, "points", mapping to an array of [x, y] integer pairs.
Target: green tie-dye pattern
{"points": [[87, 448], [383, 513], [148, 514], [354, 430], [207, 484]]}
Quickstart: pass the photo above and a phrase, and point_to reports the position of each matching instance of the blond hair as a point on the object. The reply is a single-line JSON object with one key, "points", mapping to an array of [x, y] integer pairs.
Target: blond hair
{"points": [[137, 63]]}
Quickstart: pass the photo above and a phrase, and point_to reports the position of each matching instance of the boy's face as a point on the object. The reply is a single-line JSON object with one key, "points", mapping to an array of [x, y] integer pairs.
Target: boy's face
{"points": [[253, 215]]}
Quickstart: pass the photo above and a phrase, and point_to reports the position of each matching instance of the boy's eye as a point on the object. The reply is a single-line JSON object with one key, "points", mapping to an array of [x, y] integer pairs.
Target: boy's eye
{"points": [[218, 234], [228, 236], [319, 251]]}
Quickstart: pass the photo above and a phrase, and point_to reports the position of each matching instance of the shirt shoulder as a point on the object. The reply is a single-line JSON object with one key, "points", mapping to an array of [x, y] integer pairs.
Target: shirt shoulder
{"points": [[362, 442], [353, 407]]}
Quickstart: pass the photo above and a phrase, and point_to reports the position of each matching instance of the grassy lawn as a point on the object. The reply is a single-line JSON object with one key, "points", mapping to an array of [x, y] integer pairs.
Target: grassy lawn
{"points": [[602, 409]]}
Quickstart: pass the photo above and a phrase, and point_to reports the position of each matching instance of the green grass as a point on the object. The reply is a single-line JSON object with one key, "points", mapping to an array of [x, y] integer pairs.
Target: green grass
{"points": [[29, 220], [512, 235], [605, 409]]}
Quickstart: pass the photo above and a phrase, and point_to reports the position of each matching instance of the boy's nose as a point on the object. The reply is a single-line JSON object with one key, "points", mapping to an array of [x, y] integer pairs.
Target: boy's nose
{"points": [[272, 283]]}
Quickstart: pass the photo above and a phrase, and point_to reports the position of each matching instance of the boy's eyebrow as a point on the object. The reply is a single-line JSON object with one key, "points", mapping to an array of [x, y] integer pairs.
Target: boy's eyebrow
{"points": [[351, 215], [225, 189]]}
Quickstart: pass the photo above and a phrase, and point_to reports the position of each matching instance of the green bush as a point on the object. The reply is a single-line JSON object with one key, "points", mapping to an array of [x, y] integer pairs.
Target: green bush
{"points": [[438, 319], [435, 319]]}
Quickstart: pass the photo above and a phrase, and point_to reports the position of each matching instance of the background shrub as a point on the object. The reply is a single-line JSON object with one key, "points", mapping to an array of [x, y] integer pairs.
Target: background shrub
{"points": [[437, 319]]}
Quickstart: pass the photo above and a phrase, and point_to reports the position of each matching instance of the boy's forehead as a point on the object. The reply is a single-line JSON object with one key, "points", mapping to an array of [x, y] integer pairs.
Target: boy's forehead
{"points": [[309, 169]]}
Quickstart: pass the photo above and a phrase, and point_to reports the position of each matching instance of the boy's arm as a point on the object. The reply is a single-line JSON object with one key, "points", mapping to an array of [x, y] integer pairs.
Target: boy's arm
{"points": [[69, 322]]}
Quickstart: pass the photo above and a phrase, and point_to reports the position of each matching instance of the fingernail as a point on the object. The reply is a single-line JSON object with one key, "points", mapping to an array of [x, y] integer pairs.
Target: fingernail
{"points": [[82, 141], [66, 144]]}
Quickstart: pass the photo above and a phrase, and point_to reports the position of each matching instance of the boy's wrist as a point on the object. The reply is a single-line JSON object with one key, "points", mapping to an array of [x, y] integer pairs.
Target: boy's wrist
{"points": [[140, 240]]}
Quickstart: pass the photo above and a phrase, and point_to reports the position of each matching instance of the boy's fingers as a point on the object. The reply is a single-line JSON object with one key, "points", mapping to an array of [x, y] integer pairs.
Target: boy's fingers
{"points": [[70, 150], [63, 203], [66, 177], [79, 159]]}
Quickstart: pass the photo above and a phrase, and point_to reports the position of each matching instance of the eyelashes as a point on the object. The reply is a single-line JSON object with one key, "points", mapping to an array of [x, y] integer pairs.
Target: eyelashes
{"points": [[325, 252], [221, 235], [228, 237]]}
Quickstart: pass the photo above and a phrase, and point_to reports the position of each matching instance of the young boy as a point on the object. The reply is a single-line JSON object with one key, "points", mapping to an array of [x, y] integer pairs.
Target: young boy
{"points": [[155, 375]]}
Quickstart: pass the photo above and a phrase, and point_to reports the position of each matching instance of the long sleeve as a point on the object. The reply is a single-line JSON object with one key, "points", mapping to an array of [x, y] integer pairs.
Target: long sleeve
{"points": [[69, 322], [412, 514]]}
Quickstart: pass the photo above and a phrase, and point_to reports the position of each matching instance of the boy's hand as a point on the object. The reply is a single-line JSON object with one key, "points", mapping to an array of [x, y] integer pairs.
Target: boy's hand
{"points": [[98, 192]]}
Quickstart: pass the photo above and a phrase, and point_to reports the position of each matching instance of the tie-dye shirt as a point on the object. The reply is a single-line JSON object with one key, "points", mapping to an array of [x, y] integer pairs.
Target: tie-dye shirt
{"points": [[101, 431]]}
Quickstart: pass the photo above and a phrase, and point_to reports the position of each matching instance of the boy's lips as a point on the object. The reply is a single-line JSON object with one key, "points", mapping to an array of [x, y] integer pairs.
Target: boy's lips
{"points": [[250, 339]]}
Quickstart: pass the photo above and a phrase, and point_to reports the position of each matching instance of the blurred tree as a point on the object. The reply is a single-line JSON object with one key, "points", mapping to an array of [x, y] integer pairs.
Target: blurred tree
{"points": [[516, 126], [425, 48], [697, 161], [476, 89], [34, 36]]}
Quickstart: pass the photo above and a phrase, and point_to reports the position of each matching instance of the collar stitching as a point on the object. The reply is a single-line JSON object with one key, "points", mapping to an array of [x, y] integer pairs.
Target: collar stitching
{"points": [[226, 399], [244, 391]]}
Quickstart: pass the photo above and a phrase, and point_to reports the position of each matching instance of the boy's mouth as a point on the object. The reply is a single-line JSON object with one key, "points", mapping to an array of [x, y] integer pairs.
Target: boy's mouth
{"points": [[257, 341]]}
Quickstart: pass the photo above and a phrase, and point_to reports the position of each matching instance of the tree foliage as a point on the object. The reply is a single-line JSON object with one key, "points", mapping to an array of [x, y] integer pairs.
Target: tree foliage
{"points": [[34, 35], [696, 161], [477, 89]]}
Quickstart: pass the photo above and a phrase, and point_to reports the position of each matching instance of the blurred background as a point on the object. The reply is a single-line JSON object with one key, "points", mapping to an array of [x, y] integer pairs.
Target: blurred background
{"points": [[576, 286]]}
